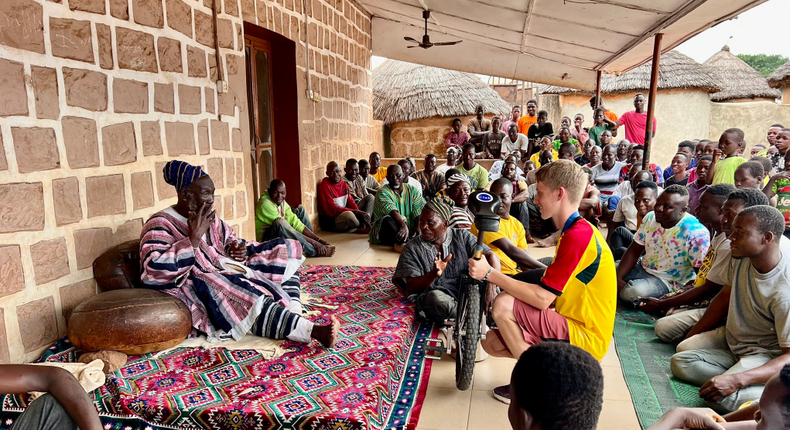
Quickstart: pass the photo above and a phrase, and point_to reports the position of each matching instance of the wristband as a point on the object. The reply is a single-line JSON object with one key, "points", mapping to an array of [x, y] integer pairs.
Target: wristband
{"points": [[490, 269]]}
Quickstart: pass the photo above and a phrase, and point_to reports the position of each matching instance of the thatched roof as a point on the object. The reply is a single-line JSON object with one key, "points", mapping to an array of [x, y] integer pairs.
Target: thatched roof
{"points": [[676, 71], [781, 76], [406, 92], [738, 79]]}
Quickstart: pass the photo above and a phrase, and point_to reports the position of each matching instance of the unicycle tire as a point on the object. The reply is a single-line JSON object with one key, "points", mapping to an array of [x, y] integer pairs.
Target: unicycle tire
{"points": [[469, 317]]}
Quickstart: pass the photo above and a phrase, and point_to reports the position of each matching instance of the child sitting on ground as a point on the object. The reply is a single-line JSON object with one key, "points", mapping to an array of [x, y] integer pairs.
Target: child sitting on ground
{"points": [[546, 156], [726, 159], [700, 185], [529, 166], [567, 151], [679, 174], [749, 175]]}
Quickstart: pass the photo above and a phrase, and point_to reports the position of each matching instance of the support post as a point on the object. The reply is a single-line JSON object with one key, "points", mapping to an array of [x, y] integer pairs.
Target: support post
{"points": [[597, 89], [651, 100]]}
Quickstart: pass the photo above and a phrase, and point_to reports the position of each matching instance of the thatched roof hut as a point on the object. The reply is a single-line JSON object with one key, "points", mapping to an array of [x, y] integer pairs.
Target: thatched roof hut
{"points": [[405, 92], [781, 76], [676, 71], [738, 79]]}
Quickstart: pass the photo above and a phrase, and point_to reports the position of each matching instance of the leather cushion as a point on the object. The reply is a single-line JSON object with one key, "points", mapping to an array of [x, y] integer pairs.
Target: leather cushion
{"points": [[119, 267], [133, 321]]}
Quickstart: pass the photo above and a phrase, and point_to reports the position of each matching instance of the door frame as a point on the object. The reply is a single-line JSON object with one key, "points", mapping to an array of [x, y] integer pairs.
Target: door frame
{"points": [[286, 153]]}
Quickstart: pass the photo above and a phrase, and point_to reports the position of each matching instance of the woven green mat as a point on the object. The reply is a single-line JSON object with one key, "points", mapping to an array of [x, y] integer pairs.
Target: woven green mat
{"points": [[645, 363]]}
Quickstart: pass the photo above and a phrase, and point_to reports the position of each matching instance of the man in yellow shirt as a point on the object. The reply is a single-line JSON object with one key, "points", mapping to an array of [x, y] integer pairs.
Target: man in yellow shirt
{"points": [[581, 280], [510, 242], [376, 171], [530, 118]]}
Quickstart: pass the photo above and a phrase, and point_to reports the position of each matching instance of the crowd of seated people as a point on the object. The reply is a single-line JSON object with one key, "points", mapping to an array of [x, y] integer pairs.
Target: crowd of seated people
{"points": [[700, 244]]}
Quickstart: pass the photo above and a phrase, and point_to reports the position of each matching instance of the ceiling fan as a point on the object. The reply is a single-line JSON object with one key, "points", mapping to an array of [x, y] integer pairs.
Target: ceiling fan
{"points": [[426, 40]]}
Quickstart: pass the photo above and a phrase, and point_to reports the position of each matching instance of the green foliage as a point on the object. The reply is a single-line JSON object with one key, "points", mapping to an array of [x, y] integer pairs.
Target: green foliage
{"points": [[765, 64]]}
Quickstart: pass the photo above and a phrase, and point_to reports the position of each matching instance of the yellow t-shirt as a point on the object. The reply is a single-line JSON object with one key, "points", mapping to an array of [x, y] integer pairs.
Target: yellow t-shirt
{"points": [[380, 175], [724, 172], [536, 156], [584, 278], [512, 229]]}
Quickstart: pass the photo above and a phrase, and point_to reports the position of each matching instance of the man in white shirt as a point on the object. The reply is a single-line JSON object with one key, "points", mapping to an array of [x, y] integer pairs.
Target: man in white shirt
{"points": [[514, 141]]}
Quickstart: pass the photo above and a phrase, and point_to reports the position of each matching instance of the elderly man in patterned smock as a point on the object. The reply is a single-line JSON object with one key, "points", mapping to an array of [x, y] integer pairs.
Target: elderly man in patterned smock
{"points": [[429, 269], [231, 287], [395, 211]]}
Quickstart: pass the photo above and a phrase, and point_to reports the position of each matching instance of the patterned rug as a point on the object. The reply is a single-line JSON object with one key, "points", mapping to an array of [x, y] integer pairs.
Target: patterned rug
{"points": [[374, 378], [645, 362]]}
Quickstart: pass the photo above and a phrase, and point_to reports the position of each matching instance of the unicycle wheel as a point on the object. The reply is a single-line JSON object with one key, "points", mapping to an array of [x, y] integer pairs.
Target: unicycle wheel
{"points": [[468, 334]]}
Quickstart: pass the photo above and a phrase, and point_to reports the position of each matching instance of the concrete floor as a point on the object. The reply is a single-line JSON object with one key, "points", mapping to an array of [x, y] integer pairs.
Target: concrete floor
{"points": [[447, 408]]}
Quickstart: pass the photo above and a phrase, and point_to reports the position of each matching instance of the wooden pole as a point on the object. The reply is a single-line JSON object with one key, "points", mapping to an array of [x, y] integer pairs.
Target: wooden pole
{"points": [[597, 90], [651, 100]]}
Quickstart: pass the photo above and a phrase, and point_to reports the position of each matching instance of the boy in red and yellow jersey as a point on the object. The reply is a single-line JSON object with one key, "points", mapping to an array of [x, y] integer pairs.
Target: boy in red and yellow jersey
{"points": [[580, 281]]}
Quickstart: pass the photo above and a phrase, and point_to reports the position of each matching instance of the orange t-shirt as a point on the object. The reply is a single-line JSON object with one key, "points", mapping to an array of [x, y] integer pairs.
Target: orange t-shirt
{"points": [[525, 121], [611, 115]]}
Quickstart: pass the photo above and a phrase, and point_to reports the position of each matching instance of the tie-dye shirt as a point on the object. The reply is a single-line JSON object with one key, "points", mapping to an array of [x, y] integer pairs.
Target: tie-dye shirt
{"points": [[672, 254]]}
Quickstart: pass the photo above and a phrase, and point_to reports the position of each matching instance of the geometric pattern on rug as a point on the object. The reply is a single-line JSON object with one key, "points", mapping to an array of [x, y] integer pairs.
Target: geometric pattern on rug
{"points": [[375, 377], [645, 359]]}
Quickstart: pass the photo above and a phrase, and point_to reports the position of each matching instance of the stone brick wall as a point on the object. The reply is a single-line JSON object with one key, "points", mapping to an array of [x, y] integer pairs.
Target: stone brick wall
{"points": [[340, 125], [95, 97], [423, 136]]}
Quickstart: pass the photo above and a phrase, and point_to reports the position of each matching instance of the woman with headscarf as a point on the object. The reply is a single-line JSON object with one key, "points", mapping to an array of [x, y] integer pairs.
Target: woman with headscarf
{"points": [[458, 189], [431, 265], [230, 286]]}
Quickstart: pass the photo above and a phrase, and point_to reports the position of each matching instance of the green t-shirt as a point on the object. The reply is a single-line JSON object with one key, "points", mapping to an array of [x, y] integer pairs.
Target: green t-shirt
{"points": [[724, 172], [266, 212], [478, 175], [782, 190], [557, 143]]}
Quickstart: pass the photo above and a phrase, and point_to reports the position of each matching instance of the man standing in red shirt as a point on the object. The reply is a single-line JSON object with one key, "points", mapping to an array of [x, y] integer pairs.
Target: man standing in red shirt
{"points": [[635, 121], [336, 208]]}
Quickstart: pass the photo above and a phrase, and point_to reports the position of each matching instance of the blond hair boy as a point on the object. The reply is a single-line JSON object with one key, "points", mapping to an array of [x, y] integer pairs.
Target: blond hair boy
{"points": [[581, 280]]}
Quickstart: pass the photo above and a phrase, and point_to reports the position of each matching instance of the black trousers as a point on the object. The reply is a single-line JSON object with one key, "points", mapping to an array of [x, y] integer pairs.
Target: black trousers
{"points": [[521, 212], [389, 231], [538, 226], [619, 241], [45, 413]]}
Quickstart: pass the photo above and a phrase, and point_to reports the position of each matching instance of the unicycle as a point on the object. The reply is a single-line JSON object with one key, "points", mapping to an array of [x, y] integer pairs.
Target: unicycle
{"points": [[467, 329]]}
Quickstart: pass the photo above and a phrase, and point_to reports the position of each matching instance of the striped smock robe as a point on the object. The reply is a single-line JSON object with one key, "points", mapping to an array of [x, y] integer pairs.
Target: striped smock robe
{"points": [[227, 298]]}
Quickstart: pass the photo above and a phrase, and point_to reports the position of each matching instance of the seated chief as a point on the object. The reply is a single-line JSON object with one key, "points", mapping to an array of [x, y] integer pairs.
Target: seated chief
{"points": [[231, 287]]}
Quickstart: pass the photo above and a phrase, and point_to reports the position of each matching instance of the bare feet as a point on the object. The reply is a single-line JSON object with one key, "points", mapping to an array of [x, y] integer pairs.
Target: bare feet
{"points": [[327, 334], [322, 250], [549, 241]]}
